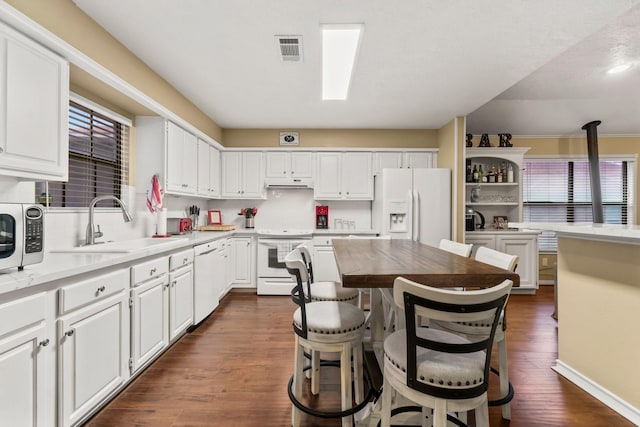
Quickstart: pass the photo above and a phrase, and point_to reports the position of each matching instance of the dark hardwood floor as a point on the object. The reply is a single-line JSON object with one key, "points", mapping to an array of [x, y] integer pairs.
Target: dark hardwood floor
{"points": [[233, 371]]}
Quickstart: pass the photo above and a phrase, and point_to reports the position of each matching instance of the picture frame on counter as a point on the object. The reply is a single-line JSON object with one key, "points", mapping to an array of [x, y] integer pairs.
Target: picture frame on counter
{"points": [[500, 222], [214, 217]]}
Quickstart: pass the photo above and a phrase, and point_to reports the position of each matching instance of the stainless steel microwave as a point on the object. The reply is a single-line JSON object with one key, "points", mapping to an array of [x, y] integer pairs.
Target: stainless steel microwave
{"points": [[21, 235]]}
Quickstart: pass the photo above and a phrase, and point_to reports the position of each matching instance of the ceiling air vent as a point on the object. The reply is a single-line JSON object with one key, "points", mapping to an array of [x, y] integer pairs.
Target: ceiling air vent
{"points": [[290, 47]]}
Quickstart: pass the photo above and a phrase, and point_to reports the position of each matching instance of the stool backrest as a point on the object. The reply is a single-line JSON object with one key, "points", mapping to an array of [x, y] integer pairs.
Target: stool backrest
{"points": [[298, 271], [462, 249], [451, 306], [497, 258]]}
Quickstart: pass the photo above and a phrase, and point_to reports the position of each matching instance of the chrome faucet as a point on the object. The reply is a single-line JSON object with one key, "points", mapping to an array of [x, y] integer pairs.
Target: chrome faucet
{"points": [[93, 234]]}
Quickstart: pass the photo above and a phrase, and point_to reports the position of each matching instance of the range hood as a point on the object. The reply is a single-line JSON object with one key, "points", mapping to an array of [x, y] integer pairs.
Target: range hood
{"points": [[288, 183]]}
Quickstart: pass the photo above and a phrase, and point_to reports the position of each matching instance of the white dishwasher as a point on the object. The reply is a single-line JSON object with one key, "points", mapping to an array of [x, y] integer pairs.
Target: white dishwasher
{"points": [[209, 274]]}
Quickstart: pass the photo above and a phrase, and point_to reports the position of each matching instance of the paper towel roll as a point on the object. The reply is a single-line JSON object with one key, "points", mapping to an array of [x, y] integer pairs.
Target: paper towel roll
{"points": [[161, 224]]}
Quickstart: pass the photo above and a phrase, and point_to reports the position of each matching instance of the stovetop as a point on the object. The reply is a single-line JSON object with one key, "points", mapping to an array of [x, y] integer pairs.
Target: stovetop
{"points": [[284, 233]]}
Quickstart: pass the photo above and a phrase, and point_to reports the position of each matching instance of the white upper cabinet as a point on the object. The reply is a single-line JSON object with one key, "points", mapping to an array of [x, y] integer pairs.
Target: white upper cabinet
{"points": [[386, 159], [182, 154], [243, 175], [208, 170], [34, 104], [403, 159], [343, 176], [186, 164], [283, 164], [417, 159]]}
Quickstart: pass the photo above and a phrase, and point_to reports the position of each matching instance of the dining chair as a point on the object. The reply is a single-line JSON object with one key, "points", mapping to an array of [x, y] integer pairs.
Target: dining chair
{"points": [[507, 262], [439, 370], [462, 249], [325, 326]]}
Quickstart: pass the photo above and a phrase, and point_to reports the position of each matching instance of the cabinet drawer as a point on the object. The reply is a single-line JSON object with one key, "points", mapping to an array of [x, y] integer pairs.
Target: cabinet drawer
{"points": [[91, 290], [148, 270], [324, 240], [17, 314], [180, 259]]}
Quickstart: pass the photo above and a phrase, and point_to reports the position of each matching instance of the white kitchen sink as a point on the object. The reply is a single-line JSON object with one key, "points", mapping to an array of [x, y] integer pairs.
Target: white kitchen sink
{"points": [[125, 246]]}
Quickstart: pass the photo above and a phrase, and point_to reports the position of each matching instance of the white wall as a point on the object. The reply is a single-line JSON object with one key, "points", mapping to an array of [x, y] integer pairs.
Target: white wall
{"points": [[283, 209], [292, 209]]}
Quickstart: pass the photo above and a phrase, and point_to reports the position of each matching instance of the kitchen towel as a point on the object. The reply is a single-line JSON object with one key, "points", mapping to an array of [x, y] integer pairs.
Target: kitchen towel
{"points": [[154, 195], [283, 249]]}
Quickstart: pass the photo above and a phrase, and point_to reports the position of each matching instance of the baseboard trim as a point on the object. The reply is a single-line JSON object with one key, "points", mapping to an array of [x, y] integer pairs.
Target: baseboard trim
{"points": [[613, 401]]}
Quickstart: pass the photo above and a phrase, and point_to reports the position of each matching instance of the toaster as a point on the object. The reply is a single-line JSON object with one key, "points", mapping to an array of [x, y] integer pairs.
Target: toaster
{"points": [[179, 225]]}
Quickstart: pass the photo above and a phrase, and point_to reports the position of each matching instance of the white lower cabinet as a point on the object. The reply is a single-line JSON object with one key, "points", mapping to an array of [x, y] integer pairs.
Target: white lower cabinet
{"points": [[149, 320], [27, 363], [180, 293], [522, 244], [324, 261], [242, 261], [93, 343]]}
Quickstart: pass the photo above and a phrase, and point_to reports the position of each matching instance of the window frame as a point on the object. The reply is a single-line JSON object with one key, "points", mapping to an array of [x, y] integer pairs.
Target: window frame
{"points": [[124, 165], [629, 197]]}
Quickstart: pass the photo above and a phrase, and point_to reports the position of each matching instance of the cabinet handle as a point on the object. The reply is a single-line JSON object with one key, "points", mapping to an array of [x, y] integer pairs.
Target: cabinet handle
{"points": [[173, 284], [100, 289], [1, 150], [152, 271], [284, 172], [167, 286], [44, 343], [185, 260], [69, 333]]}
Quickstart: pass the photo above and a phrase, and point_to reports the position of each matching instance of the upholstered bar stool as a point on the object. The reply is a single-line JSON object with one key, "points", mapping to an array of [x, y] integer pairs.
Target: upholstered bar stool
{"points": [[436, 369], [462, 249], [507, 262], [325, 326]]}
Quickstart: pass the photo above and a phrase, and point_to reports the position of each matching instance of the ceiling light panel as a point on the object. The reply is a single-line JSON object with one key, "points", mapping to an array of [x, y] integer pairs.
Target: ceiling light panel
{"points": [[340, 43]]}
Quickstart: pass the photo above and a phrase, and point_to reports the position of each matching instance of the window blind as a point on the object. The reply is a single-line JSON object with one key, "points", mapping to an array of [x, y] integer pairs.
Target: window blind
{"points": [[98, 160], [559, 190]]}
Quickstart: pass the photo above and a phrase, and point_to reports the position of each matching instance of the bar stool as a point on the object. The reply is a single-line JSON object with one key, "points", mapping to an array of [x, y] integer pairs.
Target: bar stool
{"points": [[325, 326], [437, 369], [462, 249], [507, 262]]}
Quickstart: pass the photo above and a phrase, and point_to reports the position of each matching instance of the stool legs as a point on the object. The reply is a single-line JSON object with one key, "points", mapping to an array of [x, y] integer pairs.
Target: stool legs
{"points": [[504, 376], [298, 376]]}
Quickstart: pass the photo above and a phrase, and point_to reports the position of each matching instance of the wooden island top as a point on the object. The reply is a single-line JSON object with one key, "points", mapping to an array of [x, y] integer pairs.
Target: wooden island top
{"points": [[375, 263]]}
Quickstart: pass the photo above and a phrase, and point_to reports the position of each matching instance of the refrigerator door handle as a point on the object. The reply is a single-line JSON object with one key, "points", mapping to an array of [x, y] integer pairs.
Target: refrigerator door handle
{"points": [[416, 215]]}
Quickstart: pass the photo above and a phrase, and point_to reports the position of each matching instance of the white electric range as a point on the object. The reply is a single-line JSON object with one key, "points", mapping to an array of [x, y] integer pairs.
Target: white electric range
{"points": [[273, 246]]}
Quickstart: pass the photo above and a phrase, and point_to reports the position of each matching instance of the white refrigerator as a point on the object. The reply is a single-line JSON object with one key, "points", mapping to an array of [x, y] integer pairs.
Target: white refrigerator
{"points": [[413, 204]]}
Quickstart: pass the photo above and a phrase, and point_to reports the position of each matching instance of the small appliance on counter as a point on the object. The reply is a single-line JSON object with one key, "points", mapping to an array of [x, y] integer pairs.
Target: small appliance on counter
{"points": [[21, 235], [322, 217], [474, 220], [179, 225]]}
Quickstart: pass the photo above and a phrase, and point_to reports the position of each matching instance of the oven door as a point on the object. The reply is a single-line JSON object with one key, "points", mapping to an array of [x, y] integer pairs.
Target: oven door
{"points": [[270, 256]]}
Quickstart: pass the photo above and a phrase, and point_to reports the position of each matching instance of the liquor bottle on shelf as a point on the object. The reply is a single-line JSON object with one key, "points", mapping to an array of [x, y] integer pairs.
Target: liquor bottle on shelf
{"points": [[510, 173], [475, 173], [481, 177]]}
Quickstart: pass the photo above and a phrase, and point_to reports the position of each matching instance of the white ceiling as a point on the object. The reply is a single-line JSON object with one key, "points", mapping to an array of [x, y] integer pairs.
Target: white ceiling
{"points": [[519, 66]]}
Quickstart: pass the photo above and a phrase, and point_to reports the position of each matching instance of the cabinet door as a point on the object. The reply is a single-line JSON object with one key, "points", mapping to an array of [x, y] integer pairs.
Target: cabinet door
{"points": [[479, 240], [324, 265], [278, 164], [242, 260], [384, 160], [253, 175], [180, 301], [149, 321], [34, 142], [93, 351], [204, 167], [214, 172], [23, 395], [231, 174], [418, 160], [302, 165], [327, 182], [357, 177], [175, 153], [526, 248], [190, 163]]}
